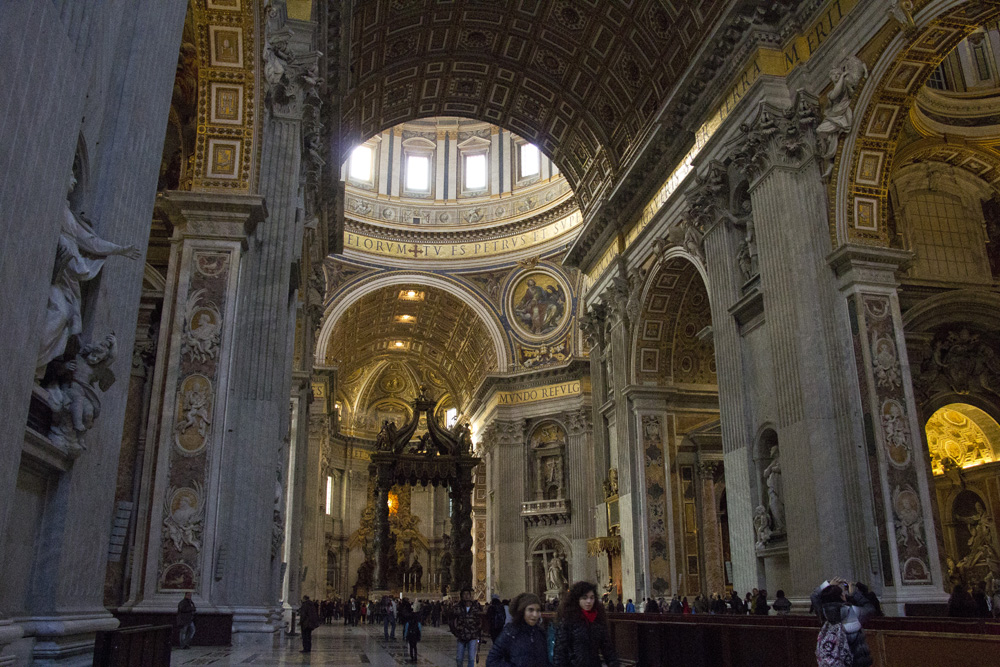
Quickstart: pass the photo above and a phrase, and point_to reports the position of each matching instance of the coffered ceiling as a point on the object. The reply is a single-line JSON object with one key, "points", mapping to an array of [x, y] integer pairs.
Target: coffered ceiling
{"points": [[582, 79], [433, 330]]}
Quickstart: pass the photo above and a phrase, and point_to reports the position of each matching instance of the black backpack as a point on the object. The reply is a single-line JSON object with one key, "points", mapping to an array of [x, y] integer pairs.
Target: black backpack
{"points": [[497, 617]]}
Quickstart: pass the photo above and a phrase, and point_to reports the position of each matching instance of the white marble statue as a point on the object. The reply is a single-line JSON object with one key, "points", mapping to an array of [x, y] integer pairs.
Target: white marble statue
{"points": [[79, 258], [839, 117], [74, 397], [775, 497], [762, 526], [555, 578]]}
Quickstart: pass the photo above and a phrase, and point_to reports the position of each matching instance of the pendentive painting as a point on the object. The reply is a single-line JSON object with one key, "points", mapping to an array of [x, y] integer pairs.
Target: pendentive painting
{"points": [[538, 304]]}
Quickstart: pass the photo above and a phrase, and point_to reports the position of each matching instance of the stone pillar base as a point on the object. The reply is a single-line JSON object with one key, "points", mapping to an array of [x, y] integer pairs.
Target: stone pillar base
{"points": [[257, 626], [67, 641]]}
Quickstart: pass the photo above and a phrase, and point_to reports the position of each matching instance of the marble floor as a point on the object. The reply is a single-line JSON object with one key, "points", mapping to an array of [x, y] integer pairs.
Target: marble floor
{"points": [[335, 645]]}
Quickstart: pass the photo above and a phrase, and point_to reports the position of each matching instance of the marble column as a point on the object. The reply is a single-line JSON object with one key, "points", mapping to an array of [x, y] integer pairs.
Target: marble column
{"points": [[711, 535], [584, 479], [625, 450], [258, 415], [504, 441], [809, 402], [898, 497], [193, 377], [720, 248]]}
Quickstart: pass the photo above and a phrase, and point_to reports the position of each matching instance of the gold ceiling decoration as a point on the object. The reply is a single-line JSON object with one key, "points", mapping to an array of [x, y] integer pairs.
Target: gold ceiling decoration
{"points": [[957, 437], [443, 335], [676, 310]]}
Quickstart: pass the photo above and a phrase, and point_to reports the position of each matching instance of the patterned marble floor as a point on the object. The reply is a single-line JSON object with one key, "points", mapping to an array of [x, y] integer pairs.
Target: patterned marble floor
{"points": [[335, 646]]}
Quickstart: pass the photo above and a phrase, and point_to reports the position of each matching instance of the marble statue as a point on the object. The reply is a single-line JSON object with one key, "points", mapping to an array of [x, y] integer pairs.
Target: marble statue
{"points": [[555, 578], [80, 256], [983, 539], [74, 398], [775, 495], [839, 117], [762, 526]]}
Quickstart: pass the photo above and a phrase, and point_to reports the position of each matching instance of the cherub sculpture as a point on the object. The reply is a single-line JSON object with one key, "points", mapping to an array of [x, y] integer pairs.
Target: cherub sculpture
{"points": [[839, 117], [74, 398]]}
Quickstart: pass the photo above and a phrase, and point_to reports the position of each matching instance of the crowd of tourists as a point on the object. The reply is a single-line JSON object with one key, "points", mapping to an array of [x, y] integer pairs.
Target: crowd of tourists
{"points": [[756, 603], [578, 635]]}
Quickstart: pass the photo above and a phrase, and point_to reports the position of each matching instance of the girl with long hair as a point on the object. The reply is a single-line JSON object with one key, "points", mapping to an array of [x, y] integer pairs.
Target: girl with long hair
{"points": [[582, 634]]}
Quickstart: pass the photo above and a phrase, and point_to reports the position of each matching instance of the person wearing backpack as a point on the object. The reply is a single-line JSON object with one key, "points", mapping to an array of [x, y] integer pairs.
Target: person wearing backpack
{"points": [[413, 634], [843, 609]]}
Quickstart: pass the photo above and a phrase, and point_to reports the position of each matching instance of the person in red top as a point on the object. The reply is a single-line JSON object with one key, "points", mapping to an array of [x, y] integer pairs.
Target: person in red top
{"points": [[582, 634]]}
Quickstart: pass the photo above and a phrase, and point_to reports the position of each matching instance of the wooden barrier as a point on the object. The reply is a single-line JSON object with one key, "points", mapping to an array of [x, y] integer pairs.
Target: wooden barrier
{"points": [[210, 628], [659, 640], [135, 646]]}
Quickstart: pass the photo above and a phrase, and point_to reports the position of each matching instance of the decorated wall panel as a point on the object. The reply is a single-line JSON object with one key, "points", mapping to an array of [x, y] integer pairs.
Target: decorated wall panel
{"points": [[193, 434], [890, 452]]}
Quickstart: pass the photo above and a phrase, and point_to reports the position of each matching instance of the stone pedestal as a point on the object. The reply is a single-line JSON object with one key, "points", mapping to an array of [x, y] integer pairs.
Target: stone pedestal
{"points": [[193, 375]]}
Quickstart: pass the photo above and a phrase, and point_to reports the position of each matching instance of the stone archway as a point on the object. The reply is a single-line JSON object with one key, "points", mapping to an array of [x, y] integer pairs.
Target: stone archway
{"points": [[860, 185], [352, 293]]}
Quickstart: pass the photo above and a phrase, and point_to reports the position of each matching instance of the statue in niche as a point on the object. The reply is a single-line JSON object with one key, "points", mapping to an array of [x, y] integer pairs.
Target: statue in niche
{"points": [[553, 477], [555, 577], [839, 117], [762, 526], [775, 499], [73, 396], [982, 541], [80, 256]]}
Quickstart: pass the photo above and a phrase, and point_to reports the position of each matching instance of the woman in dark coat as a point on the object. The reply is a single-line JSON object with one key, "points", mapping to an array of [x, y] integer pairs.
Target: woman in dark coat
{"points": [[522, 642], [582, 634]]}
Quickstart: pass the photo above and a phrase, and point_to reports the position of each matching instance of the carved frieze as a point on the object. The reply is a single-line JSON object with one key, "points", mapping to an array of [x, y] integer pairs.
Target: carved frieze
{"points": [[961, 360]]}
